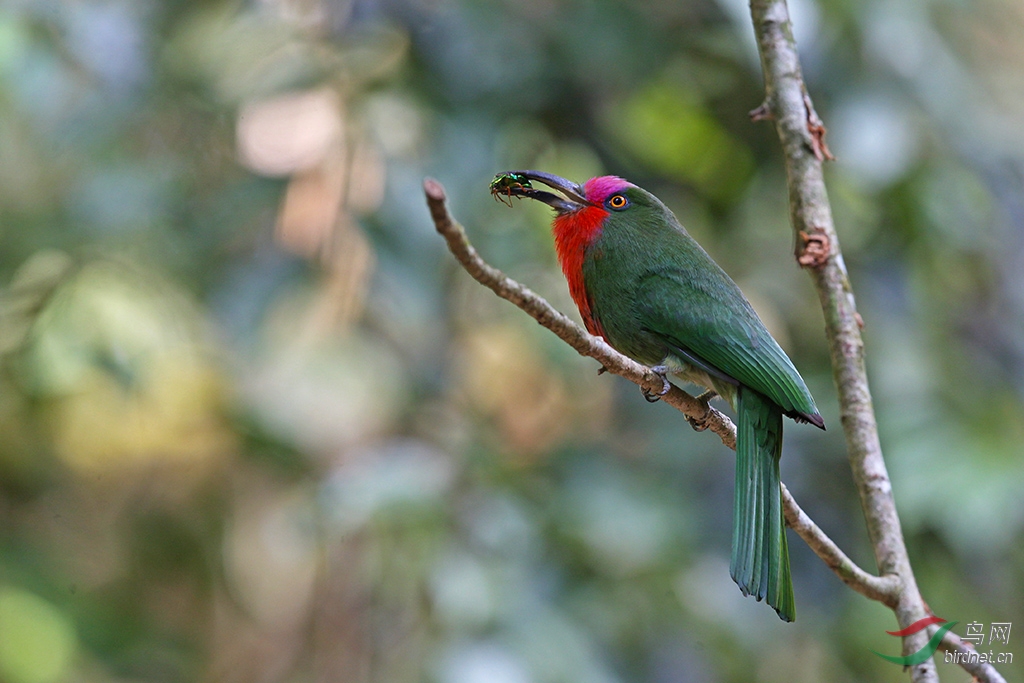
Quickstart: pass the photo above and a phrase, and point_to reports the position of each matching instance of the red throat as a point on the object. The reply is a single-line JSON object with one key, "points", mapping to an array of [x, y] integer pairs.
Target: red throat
{"points": [[574, 232]]}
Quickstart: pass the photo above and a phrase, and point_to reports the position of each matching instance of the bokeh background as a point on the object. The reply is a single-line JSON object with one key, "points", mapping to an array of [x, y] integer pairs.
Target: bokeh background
{"points": [[257, 426]]}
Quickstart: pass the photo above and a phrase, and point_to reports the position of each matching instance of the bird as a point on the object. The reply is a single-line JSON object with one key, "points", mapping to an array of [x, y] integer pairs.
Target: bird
{"points": [[644, 285]]}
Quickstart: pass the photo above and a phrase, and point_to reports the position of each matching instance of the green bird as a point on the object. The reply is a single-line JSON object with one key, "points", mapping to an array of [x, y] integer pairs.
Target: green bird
{"points": [[644, 285]]}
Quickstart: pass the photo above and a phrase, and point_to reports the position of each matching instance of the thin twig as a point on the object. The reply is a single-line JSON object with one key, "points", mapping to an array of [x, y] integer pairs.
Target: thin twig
{"points": [[801, 132], [879, 588]]}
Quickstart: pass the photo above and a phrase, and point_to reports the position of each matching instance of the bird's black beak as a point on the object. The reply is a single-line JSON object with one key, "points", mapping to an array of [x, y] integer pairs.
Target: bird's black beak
{"points": [[517, 184]]}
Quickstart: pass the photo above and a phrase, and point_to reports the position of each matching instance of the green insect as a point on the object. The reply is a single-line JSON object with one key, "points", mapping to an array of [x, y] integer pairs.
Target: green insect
{"points": [[508, 185]]}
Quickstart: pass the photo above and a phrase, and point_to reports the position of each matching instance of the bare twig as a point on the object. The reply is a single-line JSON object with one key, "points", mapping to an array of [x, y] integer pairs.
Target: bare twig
{"points": [[802, 135], [875, 587]]}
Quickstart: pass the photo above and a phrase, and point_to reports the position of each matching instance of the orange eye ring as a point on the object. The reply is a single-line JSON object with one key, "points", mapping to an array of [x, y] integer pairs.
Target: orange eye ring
{"points": [[618, 201]]}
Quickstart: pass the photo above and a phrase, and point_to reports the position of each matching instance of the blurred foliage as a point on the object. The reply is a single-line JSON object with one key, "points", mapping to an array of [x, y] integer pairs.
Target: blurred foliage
{"points": [[258, 426]]}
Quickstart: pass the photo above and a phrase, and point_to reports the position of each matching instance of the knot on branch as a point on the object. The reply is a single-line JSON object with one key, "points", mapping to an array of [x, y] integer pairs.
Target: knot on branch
{"points": [[817, 130], [814, 249]]}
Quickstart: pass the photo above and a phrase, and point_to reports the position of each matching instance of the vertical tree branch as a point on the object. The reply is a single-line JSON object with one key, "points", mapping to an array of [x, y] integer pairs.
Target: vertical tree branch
{"points": [[802, 135]]}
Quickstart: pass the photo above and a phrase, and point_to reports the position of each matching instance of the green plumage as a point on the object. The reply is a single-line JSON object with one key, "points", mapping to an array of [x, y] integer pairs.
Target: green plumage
{"points": [[662, 300], [760, 555]]}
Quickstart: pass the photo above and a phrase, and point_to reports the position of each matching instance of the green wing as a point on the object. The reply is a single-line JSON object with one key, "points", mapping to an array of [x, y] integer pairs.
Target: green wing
{"points": [[709, 320]]}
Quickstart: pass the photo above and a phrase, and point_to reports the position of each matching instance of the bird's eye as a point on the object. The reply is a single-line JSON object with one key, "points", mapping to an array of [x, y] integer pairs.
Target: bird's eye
{"points": [[618, 201]]}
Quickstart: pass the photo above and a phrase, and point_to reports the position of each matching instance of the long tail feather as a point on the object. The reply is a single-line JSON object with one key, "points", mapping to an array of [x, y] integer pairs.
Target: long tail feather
{"points": [[760, 555]]}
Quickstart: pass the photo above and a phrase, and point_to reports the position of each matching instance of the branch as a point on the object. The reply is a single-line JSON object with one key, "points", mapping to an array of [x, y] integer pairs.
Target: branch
{"points": [[697, 411], [803, 141]]}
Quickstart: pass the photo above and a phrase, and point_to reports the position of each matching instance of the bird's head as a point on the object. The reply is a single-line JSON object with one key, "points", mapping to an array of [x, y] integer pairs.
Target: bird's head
{"points": [[584, 212], [605, 193]]}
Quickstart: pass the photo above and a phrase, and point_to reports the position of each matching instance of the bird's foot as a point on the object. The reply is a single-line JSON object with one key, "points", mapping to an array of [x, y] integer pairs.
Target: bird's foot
{"points": [[700, 424], [601, 370], [655, 396]]}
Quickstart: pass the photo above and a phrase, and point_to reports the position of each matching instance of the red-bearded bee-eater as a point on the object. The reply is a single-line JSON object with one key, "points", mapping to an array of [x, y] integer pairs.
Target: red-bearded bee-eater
{"points": [[644, 285]]}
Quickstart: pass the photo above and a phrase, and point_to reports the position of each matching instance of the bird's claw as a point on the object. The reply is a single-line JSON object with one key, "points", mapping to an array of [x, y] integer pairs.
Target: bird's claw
{"points": [[701, 423], [655, 396]]}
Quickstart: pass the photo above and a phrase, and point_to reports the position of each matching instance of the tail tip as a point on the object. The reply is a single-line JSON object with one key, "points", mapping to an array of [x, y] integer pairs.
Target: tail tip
{"points": [[788, 616], [783, 605]]}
